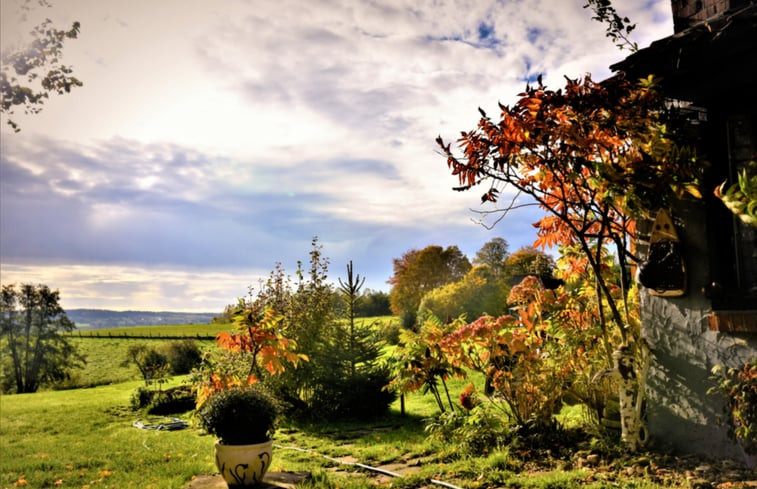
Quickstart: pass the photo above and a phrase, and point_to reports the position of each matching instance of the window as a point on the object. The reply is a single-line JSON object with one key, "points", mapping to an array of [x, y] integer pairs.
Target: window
{"points": [[732, 244]]}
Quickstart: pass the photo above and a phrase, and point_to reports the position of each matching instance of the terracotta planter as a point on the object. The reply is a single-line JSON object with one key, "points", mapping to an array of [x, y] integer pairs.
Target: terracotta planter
{"points": [[243, 465]]}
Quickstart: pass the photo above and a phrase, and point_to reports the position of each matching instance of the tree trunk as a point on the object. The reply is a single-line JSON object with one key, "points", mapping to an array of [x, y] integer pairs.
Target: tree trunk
{"points": [[634, 434]]}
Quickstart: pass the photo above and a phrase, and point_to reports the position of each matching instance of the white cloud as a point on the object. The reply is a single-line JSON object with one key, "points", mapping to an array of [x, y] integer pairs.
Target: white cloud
{"points": [[223, 134], [137, 288]]}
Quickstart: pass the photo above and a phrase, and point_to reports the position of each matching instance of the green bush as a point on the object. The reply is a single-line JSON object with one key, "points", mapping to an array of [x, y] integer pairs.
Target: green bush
{"points": [[389, 332], [240, 416], [739, 387], [172, 401], [152, 364], [342, 377], [476, 294], [408, 320], [183, 356], [360, 396], [477, 431], [141, 398]]}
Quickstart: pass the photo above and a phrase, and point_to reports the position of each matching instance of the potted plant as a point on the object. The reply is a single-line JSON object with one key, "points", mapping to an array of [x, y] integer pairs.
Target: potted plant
{"points": [[230, 402], [243, 418]]}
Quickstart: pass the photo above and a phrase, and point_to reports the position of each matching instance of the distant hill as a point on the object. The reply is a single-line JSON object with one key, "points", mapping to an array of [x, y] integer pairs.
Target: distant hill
{"points": [[102, 318]]}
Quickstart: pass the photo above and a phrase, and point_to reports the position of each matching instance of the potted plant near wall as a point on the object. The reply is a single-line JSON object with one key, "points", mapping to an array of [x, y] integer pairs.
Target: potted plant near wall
{"points": [[243, 419], [231, 403]]}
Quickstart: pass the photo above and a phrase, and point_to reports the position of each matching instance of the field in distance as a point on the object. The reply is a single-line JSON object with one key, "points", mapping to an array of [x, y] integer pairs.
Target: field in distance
{"points": [[105, 349]]}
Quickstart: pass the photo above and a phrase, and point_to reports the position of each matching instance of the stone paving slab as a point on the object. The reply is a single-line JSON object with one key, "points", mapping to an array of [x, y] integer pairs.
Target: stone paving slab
{"points": [[272, 480]]}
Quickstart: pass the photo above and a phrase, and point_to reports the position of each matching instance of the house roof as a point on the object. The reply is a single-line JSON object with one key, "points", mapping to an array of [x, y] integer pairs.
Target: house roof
{"points": [[712, 59]]}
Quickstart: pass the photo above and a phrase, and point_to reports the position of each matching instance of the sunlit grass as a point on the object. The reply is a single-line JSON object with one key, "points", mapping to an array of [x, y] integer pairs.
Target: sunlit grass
{"points": [[191, 330], [105, 354], [84, 437]]}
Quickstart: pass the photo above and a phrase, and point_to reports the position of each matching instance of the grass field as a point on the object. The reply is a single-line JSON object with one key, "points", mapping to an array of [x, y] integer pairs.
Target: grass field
{"points": [[84, 438], [191, 330], [105, 349]]}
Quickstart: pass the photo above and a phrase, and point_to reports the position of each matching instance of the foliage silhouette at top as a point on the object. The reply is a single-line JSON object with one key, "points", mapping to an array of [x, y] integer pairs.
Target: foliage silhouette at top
{"points": [[28, 74]]}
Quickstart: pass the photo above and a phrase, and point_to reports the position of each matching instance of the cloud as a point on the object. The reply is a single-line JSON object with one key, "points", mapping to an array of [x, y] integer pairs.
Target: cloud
{"points": [[219, 138], [140, 288]]}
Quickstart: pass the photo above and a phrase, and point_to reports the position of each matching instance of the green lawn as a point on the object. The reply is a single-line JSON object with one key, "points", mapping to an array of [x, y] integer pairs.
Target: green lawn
{"points": [[84, 438]]}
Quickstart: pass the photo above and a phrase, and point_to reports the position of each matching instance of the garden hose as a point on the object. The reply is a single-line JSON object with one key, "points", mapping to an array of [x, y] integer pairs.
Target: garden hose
{"points": [[160, 424], [363, 466]]}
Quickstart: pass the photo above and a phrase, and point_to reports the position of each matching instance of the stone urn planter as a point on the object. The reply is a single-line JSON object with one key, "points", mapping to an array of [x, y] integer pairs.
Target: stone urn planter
{"points": [[243, 419]]}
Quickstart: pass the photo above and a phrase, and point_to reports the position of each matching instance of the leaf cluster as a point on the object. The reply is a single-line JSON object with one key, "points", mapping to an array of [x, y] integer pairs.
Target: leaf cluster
{"points": [[260, 347], [29, 74], [618, 28], [739, 387], [420, 364], [741, 196], [594, 156]]}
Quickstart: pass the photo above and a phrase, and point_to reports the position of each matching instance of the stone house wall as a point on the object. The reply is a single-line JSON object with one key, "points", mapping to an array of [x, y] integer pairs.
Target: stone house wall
{"points": [[707, 63]]}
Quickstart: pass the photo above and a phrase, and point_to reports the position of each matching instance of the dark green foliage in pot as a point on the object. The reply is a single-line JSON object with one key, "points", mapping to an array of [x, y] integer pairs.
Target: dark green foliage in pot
{"points": [[240, 416]]}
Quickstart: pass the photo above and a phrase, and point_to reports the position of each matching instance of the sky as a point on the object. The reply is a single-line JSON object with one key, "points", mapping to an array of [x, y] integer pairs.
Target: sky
{"points": [[213, 139]]}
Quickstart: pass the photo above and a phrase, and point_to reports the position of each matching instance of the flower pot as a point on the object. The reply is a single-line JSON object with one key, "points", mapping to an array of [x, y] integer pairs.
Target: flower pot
{"points": [[243, 465]]}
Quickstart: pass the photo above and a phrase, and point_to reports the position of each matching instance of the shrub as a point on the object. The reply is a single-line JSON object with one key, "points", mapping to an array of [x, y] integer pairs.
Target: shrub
{"points": [[389, 332], [183, 356], [141, 398], [478, 431], [171, 401], [358, 396], [739, 386], [479, 292], [239, 416], [408, 319], [152, 364], [343, 377]]}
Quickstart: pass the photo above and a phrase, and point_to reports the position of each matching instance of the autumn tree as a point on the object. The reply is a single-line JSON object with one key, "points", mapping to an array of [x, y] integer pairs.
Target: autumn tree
{"points": [[594, 157], [419, 271], [478, 292], [34, 347], [529, 261], [30, 72], [493, 254]]}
